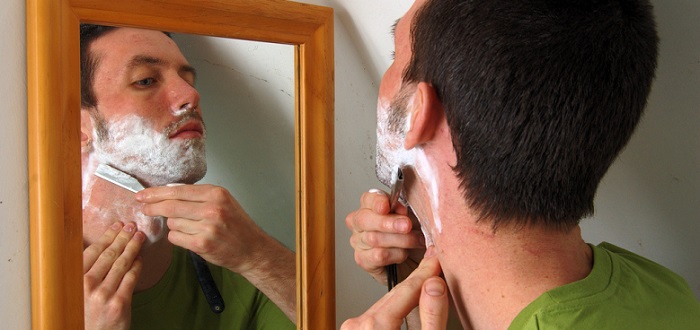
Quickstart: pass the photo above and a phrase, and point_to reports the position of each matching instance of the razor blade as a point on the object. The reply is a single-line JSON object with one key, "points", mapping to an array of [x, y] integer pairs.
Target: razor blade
{"points": [[118, 177]]}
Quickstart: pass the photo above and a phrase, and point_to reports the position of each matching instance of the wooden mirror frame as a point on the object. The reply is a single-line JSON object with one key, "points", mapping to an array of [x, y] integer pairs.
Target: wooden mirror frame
{"points": [[53, 92]]}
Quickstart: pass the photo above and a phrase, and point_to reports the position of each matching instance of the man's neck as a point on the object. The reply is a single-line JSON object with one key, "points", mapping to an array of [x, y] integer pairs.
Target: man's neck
{"points": [[492, 276], [498, 275], [105, 203]]}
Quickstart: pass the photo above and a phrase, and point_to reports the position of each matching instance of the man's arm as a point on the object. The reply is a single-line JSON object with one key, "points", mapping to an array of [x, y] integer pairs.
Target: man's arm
{"points": [[207, 220], [110, 272]]}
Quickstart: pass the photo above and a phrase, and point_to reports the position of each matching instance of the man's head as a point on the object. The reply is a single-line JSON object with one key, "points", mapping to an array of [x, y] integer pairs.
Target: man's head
{"points": [[540, 96], [140, 110]]}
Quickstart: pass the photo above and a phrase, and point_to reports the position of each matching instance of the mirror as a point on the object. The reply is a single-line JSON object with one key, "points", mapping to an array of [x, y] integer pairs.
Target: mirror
{"points": [[53, 135]]}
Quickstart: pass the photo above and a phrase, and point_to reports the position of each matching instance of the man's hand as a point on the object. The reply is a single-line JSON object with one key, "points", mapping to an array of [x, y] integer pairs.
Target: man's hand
{"points": [[423, 288], [381, 239], [207, 220], [110, 272]]}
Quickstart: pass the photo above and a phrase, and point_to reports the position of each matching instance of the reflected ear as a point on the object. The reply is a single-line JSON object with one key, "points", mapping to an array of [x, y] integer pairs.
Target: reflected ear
{"points": [[85, 129], [426, 115]]}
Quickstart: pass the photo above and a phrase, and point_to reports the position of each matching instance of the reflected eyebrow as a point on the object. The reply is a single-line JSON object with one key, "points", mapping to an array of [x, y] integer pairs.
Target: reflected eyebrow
{"points": [[144, 60], [393, 28], [150, 60]]}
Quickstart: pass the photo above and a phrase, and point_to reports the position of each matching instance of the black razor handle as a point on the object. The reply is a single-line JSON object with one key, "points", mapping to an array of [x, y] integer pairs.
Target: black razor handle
{"points": [[206, 281], [392, 274]]}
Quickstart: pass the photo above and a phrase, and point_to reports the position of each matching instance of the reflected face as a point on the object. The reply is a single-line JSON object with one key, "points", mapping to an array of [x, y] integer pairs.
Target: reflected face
{"points": [[393, 106], [147, 121]]}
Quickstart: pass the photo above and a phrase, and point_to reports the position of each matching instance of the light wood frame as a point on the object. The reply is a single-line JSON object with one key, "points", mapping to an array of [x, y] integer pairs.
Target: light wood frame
{"points": [[54, 128]]}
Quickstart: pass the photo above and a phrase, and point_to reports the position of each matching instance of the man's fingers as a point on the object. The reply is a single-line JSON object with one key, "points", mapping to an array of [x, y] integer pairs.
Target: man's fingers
{"points": [[127, 285], [124, 263], [364, 220], [92, 252], [185, 226], [375, 239], [107, 256], [389, 312], [185, 192], [159, 194], [375, 198], [378, 201], [434, 305], [174, 209]]}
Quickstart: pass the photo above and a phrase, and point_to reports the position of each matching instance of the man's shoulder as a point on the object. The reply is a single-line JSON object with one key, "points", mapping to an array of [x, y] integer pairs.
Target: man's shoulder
{"points": [[623, 290]]}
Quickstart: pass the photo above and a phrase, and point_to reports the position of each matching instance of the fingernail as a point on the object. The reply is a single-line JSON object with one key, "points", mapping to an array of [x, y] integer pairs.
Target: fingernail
{"points": [[116, 225], [429, 252], [401, 225], [129, 228], [435, 288], [376, 191], [139, 236]]}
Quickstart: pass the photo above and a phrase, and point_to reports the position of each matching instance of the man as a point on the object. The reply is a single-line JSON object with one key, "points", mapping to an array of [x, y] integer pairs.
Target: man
{"points": [[504, 116], [140, 114]]}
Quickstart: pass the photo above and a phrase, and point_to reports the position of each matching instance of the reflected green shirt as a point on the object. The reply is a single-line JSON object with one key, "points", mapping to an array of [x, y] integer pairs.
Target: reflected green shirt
{"points": [[177, 302], [623, 291]]}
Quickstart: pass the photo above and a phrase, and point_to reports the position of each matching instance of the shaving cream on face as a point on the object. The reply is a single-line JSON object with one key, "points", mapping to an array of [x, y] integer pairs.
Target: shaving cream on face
{"points": [[133, 147], [153, 227], [391, 155], [425, 171]]}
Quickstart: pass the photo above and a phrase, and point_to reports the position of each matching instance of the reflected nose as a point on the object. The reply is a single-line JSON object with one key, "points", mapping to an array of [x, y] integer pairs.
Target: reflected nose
{"points": [[183, 97]]}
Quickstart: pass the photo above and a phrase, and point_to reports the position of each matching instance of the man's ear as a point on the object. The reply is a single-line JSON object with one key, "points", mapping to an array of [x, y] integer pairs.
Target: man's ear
{"points": [[85, 129], [426, 115]]}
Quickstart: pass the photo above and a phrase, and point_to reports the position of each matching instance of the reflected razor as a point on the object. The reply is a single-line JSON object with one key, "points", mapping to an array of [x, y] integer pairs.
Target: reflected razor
{"points": [[206, 281]]}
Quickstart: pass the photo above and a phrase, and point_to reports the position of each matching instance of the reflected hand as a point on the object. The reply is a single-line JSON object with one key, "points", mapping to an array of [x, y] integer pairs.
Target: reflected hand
{"points": [[381, 239], [423, 289], [208, 221], [110, 272]]}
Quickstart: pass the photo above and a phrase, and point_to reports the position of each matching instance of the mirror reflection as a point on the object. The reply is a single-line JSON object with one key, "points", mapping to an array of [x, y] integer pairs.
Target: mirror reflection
{"points": [[187, 246]]}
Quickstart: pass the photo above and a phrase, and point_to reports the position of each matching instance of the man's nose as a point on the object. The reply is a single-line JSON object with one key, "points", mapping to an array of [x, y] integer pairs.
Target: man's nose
{"points": [[183, 96]]}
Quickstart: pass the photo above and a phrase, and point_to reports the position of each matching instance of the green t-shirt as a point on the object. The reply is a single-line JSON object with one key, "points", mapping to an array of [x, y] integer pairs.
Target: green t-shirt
{"points": [[623, 291], [177, 302]]}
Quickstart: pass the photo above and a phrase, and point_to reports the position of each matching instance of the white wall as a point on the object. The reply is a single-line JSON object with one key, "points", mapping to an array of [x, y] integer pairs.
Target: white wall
{"points": [[648, 203], [14, 228]]}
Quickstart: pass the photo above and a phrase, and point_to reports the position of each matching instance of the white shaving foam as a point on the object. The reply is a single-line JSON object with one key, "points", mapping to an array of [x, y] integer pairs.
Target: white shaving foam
{"points": [[391, 155], [136, 148]]}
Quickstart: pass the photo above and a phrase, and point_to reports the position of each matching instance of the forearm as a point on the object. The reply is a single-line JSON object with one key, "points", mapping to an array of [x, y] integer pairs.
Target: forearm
{"points": [[274, 273]]}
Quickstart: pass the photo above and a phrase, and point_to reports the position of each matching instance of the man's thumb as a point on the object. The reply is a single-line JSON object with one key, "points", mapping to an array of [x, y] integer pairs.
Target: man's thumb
{"points": [[433, 304]]}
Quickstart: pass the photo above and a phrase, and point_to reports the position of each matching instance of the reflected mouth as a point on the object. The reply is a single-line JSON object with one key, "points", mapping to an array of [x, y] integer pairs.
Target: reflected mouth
{"points": [[189, 130]]}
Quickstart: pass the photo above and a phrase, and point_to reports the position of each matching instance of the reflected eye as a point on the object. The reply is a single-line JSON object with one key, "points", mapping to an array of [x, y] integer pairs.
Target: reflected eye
{"points": [[145, 82]]}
